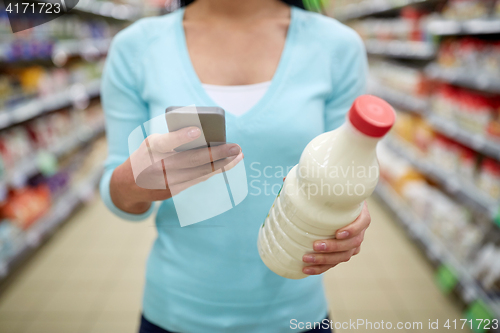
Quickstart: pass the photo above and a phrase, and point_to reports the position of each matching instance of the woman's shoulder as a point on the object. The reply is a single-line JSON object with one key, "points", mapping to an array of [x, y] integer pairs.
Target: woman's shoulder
{"points": [[145, 31], [328, 30]]}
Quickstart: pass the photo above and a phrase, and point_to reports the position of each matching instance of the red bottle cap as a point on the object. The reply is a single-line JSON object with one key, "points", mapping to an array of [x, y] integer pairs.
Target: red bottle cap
{"points": [[372, 116]]}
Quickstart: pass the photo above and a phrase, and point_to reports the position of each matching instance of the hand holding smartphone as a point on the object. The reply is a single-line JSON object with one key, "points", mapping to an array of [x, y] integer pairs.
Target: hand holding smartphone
{"points": [[194, 150]]}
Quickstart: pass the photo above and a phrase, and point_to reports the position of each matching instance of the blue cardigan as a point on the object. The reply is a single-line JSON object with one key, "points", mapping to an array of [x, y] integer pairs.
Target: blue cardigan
{"points": [[208, 277]]}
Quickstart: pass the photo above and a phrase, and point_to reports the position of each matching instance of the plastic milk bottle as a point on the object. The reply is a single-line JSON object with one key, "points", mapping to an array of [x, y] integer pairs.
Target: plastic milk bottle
{"points": [[337, 171]]}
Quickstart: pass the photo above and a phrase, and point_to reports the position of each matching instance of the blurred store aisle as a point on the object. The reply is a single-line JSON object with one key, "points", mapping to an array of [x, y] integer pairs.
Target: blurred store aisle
{"points": [[389, 280], [89, 276]]}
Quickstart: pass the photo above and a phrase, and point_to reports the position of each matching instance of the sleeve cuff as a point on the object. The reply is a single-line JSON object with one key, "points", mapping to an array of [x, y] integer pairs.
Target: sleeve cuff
{"points": [[106, 198]]}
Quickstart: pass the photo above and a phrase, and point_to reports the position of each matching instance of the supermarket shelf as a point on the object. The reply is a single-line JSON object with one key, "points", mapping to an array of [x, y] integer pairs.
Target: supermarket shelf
{"points": [[367, 8], [398, 98], [81, 47], [38, 106], [442, 27], [59, 212], [475, 141], [461, 189], [461, 76], [401, 49], [29, 166], [436, 250], [109, 10], [106, 9], [62, 49]]}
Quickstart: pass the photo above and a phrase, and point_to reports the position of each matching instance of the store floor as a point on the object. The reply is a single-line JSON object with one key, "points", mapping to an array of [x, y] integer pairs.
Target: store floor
{"points": [[88, 279]]}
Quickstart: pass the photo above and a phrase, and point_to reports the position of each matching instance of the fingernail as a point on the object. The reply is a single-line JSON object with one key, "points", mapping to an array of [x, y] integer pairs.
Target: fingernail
{"points": [[235, 150], [194, 133], [308, 271], [321, 246], [342, 235], [308, 258]]}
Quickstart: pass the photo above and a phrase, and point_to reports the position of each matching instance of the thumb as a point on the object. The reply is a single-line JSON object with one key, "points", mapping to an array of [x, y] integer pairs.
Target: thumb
{"points": [[164, 143]]}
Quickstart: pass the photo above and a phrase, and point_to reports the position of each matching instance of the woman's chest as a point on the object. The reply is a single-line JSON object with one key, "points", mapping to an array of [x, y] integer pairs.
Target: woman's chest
{"points": [[244, 55]]}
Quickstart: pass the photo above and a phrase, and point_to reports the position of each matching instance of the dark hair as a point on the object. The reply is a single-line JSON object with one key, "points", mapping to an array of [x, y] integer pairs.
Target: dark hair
{"points": [[296, 3]]}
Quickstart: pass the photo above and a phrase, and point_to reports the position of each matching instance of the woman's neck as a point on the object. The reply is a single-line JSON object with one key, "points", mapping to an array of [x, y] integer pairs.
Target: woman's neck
{"points": [[235, 10]]}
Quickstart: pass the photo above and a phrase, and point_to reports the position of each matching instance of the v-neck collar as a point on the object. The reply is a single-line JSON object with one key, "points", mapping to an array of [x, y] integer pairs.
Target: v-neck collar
{"points": [[276, 82]]}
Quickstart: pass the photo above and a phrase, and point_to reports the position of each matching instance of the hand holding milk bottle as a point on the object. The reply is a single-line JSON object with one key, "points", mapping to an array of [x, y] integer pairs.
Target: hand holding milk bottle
{"points": [[337, 171]]}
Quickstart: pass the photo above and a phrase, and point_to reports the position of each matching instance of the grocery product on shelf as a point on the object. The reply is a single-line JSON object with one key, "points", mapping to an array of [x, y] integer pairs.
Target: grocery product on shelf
{"points": [[20, 85], [461, 229], [49, 132], [486, 268], [452, 157], [468, 9], [12, 240], [24, 206], [410, 26], [493, 129], [348, 9], [471, 110], [470, 53], [448, 155], [409, 80], [489, 177], [337, 171], [88, 163], [57, 182]]}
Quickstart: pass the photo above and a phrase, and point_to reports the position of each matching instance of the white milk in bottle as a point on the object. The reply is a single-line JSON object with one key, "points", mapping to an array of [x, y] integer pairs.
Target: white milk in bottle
{"points": [[337, 171]]}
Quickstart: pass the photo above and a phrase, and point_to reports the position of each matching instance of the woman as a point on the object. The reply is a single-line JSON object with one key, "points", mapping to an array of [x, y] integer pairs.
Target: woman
{"points": [[284, 76]]}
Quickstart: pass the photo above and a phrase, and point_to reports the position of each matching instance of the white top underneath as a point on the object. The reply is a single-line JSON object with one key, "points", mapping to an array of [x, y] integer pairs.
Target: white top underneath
{"points": [[237, 100]]}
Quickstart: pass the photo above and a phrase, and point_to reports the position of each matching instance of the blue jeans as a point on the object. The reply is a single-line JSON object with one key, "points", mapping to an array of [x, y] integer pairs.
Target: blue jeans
{"points": [[149, 327]]}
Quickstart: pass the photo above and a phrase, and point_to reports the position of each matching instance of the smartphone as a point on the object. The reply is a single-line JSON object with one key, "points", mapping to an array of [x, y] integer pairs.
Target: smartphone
{"points": [[211, 119]]}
